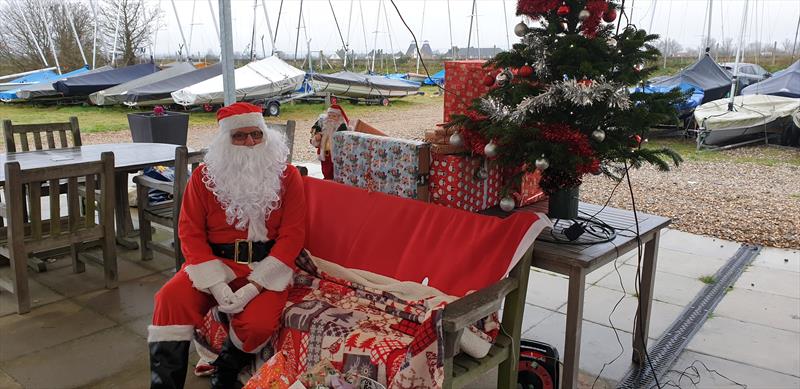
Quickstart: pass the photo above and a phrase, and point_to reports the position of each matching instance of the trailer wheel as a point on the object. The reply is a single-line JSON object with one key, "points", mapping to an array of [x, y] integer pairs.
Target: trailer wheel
{"points": [[354, 101], [208, 107], [385, 102], [273, 108]]}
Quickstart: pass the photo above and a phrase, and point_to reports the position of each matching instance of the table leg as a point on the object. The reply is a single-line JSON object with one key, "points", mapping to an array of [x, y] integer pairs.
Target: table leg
{"points": [[641, 327], [122, 212], [572, 338]]}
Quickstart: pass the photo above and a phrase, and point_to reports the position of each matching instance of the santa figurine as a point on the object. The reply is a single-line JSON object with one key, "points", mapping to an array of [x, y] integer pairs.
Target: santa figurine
{"points": [[334, 119]]}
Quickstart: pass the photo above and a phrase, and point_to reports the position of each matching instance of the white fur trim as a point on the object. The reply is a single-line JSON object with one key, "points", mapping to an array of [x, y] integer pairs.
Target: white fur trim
{"points": [[257, 232], [240, 345], [527, 240], [252, 119], [473, 345], [209, 273], [272, 274], [170, 333]]}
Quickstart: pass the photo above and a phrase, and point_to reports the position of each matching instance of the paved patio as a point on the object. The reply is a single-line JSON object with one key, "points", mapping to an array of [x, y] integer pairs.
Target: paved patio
{"points": [[82, 335]]}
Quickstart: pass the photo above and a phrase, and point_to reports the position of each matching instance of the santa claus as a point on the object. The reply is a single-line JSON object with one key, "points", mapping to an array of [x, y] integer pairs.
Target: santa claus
{"points": [[334, 119], [242, 224]]}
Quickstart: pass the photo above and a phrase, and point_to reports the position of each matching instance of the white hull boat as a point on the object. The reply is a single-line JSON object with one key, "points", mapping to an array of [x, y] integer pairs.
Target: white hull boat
{"points": [[752, 115]]}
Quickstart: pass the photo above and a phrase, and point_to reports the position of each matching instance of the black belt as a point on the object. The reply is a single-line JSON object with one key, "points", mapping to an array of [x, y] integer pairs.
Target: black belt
{"points": [[243, 251]]}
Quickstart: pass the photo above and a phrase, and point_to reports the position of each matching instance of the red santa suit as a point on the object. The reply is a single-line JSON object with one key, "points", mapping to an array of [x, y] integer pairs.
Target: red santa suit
{"points": [[184, 300], [334, 119]]}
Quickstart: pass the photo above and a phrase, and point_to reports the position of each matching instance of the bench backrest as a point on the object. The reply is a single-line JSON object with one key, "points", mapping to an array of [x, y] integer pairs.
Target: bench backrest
{"points": [[287, 130], [42, 135], [410, 240]]}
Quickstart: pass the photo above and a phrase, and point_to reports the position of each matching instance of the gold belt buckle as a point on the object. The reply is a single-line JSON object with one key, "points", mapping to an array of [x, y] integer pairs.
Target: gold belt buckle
{"points": [[249, 251]]}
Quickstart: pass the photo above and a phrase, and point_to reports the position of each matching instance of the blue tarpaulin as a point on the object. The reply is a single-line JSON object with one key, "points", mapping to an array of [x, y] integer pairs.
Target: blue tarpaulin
{"points": [[41, 77], [436, 79], [686, 106]]}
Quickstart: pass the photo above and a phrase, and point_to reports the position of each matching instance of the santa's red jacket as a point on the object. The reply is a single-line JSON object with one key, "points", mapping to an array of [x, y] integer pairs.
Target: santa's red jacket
{"points": [[202, 221]]}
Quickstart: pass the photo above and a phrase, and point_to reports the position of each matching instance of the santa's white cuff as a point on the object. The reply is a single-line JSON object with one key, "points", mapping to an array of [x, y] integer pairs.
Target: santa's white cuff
{"points": [[271, 274], [205, 275]]}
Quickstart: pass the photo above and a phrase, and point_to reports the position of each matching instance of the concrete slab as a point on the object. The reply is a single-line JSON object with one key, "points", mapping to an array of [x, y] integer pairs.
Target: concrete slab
{"points": [[698, 244], [45, 327], [40, 295], [745, 374], [685, 264], [131, 300], [779, 259], [609, 268], [70, 284], [7, 382], [599, 346], [768, 280], [757, 345], [599, 302], [80, 361], [669, 288], [761, 308], [139, 325], [546, 290], [534, 315]]}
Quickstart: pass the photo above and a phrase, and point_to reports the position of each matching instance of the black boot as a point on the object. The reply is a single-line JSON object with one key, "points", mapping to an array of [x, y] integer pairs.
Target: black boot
{"points": [[168, 364], [229, 363]]}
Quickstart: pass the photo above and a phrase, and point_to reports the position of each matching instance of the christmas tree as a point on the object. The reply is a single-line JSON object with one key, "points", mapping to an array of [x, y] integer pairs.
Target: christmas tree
{"points": [[560, 101]]}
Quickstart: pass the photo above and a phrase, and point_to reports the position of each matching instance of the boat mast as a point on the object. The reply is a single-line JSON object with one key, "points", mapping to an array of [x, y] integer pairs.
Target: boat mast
{"points": [[269, 27], [477, 30], [450, 27], [666, 36], [213, 17], [277, 24], [50, 38], [191, 30], [652, 15], [347, 42], [94, 35], [75, 33], [416, 41], [375, 41], [297, 39], [708, 34], [796, 30], [339, 30], [33, 37], [253, 34], [391, 44], [180, 28], [505, 19], [738, 57], [364, 33], [469, 35], [226, 52], [155, 33]]}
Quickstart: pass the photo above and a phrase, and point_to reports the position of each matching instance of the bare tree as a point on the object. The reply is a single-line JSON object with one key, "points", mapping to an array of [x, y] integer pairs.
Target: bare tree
{"points": [[669, 47], [134, 30], [787, 46], [726, 48], [18, 48]]}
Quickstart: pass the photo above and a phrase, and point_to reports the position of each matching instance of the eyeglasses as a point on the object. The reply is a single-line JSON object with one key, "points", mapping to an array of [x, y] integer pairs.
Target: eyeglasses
{"points": [[242, 136]]}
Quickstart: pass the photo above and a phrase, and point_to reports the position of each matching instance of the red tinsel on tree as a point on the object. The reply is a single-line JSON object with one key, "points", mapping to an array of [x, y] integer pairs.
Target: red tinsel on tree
{"points": [[535, 8], [596, 9], [474, 141], [576, 141]]}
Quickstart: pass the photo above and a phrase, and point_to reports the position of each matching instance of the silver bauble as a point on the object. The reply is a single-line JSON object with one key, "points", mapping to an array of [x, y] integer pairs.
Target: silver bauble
{"points": [[507, 204], [521, 29], [584, 14], [456, 140], [481, 174], [542, 163], [504, 77], [490, 150], [599, 135], [612, 42]]}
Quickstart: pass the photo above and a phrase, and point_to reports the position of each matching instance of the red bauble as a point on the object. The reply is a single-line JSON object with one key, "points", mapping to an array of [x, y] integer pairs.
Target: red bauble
{"points": [[585, 82], [563, 10], [525, 71], [610, 15], [488, 80], [636, 140]]}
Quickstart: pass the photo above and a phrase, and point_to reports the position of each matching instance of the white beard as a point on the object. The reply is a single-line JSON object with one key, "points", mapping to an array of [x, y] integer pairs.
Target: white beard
{"points": [[246, 181], [329, 126]]}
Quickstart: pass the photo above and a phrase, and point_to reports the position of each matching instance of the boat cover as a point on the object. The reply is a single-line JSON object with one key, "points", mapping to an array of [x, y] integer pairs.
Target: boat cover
{"points": [[116, 94], [367, 80], [783, 83], [31, 79], [695, 99], [86, 84], [45, 88], [162, 89], [749, 111], [267, 77], [436, 79], [706, 74]]}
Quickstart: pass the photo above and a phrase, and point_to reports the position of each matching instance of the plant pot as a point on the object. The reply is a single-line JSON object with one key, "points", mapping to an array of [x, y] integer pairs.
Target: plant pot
{"points": [[563, 204], [171, 127]]}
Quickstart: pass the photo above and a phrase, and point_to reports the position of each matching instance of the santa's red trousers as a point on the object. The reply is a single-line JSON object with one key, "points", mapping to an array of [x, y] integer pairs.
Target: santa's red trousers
{"points": [[179, 303], [327, 166]]}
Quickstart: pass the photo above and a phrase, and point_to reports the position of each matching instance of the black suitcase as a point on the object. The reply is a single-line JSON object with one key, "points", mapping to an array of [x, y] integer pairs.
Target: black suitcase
{"points": [[538, 366]]}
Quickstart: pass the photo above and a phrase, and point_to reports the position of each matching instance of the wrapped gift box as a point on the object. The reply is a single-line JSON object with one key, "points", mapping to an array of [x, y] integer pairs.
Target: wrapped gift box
{"points": [[383, 164], [529, 192], [464, 80], [453, 182]]}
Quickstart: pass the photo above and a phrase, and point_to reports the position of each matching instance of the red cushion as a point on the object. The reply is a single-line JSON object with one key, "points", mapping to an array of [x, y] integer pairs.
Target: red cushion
{"points": [[409, 240]]}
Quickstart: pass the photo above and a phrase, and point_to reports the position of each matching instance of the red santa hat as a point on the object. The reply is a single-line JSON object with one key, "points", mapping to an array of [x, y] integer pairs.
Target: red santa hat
{"points": [[337, 107], [238, 115]]}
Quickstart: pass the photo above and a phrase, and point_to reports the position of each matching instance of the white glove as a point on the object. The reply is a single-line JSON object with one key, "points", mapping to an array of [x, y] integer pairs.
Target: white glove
{"points": [[223, 294], [240, 299]]}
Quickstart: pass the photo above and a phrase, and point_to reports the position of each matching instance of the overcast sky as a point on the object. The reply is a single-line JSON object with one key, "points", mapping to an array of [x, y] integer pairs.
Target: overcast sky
{"points": [[682, 20]]}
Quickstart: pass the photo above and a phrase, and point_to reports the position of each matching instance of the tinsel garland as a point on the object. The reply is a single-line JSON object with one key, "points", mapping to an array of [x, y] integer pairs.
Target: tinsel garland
{"points": [[580, 94], [557, 179], [474, 141], [577, 142], [535, 8], [537, 49], [590, 25]]}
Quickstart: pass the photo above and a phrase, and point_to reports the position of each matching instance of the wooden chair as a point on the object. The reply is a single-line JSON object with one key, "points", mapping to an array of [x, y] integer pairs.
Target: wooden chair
{"points": [[167, 213], [56, 135], [76, 231]]}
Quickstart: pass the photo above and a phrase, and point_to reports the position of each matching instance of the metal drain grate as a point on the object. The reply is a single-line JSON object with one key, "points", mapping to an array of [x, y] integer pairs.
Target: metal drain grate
{"points": [[664, 353]]}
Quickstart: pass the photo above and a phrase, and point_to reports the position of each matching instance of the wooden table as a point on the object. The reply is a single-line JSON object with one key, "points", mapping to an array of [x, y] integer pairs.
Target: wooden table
{"points": [[128, 158], [576, 261]]}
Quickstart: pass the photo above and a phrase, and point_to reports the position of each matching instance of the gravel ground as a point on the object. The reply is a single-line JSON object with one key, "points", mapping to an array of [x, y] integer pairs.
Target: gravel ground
{"points": [[743, 202]]}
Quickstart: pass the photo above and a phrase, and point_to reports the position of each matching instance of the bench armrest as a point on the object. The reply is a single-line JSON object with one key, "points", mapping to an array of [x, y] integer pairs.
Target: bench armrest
{"points": [[469, 309], [152, 183]]}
